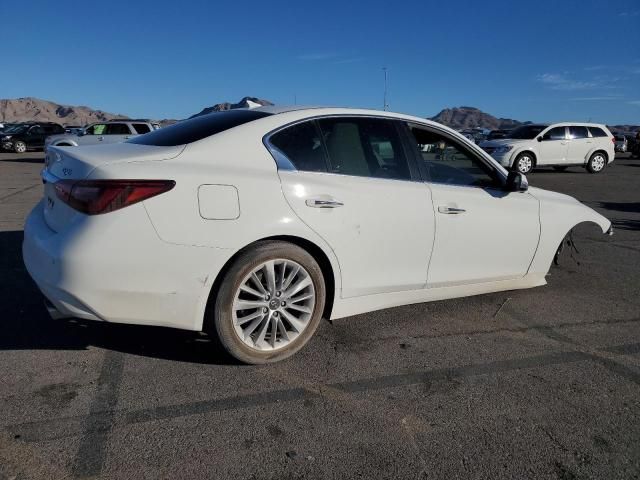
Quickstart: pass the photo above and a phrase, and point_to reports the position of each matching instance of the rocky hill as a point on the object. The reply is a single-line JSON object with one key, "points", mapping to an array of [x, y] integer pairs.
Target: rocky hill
{"points": [[469, 117], [30, 109], [246, 102]]}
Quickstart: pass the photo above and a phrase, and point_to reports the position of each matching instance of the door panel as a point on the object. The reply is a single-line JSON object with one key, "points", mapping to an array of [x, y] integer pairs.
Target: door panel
{"points": [[553, 148], [381, 230], [481, 235], [579, 144]]}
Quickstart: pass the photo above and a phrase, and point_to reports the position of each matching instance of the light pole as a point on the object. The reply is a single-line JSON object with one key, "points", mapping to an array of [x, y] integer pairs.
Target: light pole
{"points": [[384, 101]]}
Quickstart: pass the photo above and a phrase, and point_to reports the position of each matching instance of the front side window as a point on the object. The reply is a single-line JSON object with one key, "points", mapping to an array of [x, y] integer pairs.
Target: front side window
{"points": [[117, 129], [556, 133], [576, 132], [364, 147], [448, 161], [97, 129], [302, 146]]}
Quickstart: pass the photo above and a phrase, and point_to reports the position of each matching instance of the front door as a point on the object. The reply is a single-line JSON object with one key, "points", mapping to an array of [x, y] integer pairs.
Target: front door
{"points": [[553, 148], [353, 184], [483, 233]]}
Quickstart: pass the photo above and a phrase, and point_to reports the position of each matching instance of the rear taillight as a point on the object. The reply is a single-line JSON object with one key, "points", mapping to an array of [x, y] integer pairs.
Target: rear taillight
{"points": [[613, 139], [94, 197]]}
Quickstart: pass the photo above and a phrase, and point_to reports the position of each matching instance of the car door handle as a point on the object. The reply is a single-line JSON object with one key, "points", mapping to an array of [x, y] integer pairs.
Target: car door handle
{"points": [[323, 203], [450, 210]]}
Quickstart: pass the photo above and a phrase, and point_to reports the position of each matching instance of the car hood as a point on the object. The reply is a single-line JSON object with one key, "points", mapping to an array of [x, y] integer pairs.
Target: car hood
{"points": [[504, 141]]}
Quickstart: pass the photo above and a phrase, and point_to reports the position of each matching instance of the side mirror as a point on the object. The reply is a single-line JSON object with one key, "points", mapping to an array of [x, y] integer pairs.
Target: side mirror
{"points": [[539, 139], [516, 182]]}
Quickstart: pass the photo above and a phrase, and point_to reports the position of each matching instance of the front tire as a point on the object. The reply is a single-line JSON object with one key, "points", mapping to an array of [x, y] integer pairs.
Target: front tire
{"points": [[270, 303], [524, 163], [19, 147], [596, 162]]}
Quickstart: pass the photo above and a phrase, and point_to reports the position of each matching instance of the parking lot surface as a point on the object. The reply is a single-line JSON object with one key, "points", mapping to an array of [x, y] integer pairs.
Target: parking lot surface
{"points": [[540, 383]]}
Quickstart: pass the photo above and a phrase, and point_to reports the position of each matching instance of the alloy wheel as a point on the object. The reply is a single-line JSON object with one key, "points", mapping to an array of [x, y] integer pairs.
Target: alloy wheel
{"points": [[525, 164], [597, 163], [273, 305]]}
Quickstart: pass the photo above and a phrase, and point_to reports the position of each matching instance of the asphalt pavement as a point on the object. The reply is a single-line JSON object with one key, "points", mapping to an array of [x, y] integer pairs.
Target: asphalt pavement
{"points": [[541, 383]]}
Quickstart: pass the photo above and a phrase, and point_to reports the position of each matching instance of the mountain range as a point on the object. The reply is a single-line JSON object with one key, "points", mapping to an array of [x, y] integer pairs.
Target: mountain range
{"points": [[35, 109]]}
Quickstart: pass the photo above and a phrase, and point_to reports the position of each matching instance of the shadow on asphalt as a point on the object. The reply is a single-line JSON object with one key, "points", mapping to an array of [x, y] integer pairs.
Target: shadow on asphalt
{"points": [[26, 325], [25, 159]]}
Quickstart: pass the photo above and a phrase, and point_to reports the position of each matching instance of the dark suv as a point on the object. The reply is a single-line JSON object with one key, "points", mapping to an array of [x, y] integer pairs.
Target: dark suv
{"points": [[28, 136]]}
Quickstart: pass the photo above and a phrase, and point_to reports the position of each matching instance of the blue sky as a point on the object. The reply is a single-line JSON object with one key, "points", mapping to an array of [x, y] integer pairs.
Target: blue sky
{"points": [[536, 60]]}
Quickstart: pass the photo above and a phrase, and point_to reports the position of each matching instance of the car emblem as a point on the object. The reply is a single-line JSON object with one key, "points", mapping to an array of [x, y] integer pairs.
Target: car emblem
{"points": [[67, 171], [50, 202]]}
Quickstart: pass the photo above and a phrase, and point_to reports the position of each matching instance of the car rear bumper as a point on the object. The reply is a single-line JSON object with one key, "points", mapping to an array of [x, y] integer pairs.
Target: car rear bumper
{"points": [[99, 271]]}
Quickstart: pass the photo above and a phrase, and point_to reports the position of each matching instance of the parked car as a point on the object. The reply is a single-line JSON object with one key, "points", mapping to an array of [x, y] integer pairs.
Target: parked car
{"points": [[73, 129], [620, 143], [559, 145], [114, 131], [500, 133], [253, 224], [28, 136]]}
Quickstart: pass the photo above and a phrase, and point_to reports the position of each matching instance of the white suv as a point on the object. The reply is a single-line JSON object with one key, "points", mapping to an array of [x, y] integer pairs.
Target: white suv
{"points": [[559, 145]]}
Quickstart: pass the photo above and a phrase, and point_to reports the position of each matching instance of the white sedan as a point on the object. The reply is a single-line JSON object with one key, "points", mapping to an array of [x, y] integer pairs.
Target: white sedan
{"points": [[253, 224]]}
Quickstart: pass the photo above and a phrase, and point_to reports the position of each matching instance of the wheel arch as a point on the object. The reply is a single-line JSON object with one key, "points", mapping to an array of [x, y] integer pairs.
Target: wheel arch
{"points": [[597, 150], [329, 273], [556, 223]]}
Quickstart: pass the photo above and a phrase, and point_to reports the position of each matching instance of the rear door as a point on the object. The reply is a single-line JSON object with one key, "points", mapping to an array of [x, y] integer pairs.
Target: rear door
{"points": [[553, 148], [579, 144], [351, 181], [117, 133]]}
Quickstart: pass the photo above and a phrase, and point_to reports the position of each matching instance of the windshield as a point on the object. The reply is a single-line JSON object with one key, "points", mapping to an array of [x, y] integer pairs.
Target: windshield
{"points": [[16, 129], [527, 132]]}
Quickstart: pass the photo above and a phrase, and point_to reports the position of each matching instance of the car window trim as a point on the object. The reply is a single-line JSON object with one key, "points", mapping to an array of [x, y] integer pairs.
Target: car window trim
{"points": [[414, 171], [471, 149]]}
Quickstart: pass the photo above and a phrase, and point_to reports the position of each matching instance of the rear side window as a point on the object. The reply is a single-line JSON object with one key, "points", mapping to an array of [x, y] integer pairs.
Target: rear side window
{"points": [[557, 133], [141, 128], [365, 147], [302, 146], [597, 132], [117, 129], [197, 128], [578, 132]]}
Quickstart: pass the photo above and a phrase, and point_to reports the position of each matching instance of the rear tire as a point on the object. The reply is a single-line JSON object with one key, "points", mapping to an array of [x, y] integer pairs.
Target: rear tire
{"points": [[278, 319], [597, 162], [19, 147], [524, 163], [560, 169]]}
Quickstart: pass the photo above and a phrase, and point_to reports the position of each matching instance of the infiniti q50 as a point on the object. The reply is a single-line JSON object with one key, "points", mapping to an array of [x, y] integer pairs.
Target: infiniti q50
{"points": [[254, 224]]}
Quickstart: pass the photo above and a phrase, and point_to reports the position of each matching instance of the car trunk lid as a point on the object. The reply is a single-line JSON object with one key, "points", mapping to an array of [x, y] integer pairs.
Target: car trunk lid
{"points": [[68, 164]]}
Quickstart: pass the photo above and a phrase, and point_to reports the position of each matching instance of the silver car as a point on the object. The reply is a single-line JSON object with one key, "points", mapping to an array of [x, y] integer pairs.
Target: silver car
{"points": [[102, 133]]}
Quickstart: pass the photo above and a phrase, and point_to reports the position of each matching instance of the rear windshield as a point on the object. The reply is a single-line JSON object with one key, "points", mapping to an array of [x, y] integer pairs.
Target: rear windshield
{"points": [[197, 128]]}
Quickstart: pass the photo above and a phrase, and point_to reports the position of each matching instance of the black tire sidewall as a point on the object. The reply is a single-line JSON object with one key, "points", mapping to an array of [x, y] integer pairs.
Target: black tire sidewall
{"points": [[223, 315]]}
